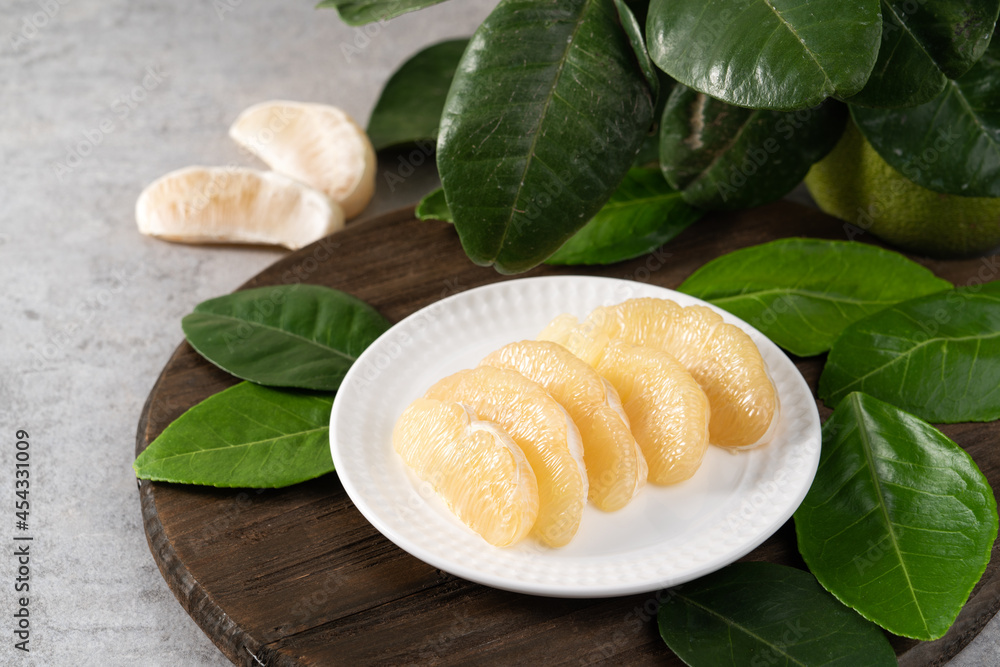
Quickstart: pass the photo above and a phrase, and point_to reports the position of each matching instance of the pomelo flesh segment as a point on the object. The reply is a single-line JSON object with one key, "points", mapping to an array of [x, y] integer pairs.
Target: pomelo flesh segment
{"points": [[616, 468], [720, 356], [544, 432], [668, 411], [478, 470]]}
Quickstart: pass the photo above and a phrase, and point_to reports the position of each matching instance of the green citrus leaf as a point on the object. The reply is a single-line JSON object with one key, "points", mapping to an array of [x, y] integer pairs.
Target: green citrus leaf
{"points": [[545, 115], [726, 157], [801, 293], [954, 34], [899, 523], [638, 41], [905, 74], [649, 152], [752, 614], [360, 12], [303, 336], [950, 144], [642, 214], [937, 356], [409, 108], [434, 207], [766, 54], [246, 436]]}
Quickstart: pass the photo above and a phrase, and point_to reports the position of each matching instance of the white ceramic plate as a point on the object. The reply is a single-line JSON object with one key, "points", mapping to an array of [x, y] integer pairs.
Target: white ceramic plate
{"points": [[665, 536]]}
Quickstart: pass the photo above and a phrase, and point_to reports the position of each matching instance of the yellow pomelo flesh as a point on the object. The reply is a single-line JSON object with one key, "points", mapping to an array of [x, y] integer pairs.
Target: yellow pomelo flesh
{"points": [[478, 470], [235, 205], [667, 409], [720, 356], [615, 465], [544, 432], [855, 184], [316, 144]]}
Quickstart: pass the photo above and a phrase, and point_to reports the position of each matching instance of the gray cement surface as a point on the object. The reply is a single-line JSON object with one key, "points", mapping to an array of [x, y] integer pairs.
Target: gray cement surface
{"points": [[100, 97]]}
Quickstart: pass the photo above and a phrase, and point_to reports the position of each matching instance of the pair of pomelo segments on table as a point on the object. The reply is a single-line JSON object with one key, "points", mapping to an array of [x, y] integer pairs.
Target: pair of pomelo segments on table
{"points": [[323, 173], [593, 409]]}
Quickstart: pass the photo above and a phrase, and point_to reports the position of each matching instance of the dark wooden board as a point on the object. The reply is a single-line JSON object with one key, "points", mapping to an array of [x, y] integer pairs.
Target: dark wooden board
{"points": [[298, 577]]}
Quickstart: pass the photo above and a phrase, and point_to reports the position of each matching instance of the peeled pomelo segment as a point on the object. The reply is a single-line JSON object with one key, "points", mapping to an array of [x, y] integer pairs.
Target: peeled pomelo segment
{"points": [[616, 469], [584, 342], [721, 357], [477, 469], [668, 411], [235, 205], [544, 432], [317, 144]]}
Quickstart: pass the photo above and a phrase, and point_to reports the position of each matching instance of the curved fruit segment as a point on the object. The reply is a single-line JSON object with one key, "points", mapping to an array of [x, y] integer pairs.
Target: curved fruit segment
{"points": [[721, 357], [544, 432], [235, 205], [482, 475], [668, 411], [615, 465], [317, 144]]}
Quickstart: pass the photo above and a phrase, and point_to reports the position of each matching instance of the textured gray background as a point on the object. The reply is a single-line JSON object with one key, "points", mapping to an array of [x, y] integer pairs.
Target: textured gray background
{"points": [[119, 93]]}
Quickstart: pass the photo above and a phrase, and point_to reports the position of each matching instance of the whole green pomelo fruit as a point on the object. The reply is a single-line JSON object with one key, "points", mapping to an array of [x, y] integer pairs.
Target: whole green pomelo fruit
{"points": [[855, 184]]}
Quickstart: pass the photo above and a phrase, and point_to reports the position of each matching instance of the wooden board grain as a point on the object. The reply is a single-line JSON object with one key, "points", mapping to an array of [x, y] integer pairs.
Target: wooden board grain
{"points": [[297, 576]]}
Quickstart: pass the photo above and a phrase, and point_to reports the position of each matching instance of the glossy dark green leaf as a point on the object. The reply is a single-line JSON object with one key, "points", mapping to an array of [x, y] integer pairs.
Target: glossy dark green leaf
{"points": [[633, 30], [303, 336], [545, 115], [950, 144], [434, 207], [753, 614], [766, 54], [642, 214], [409, 108], [953, 33], [726, 157], [801, 293], [905, 74], [649, 152], [899, 523], [245, 436], [360, 12], [937, 356]]}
